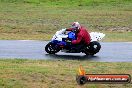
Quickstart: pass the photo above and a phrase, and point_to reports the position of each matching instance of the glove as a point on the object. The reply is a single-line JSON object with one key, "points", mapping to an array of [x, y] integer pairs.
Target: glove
{"points": [[68, 42]]}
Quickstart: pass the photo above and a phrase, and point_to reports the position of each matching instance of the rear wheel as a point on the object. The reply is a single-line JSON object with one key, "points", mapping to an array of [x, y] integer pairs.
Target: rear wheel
{"points": [[52, 48], [92, 48]]}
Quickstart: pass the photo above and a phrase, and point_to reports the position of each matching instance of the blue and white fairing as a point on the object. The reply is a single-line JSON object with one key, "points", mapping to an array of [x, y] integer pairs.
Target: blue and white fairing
{"points": [[60, 35]]}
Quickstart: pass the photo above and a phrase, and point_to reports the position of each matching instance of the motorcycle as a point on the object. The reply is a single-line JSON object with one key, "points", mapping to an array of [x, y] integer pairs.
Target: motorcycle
{"points": [[60, 41]]}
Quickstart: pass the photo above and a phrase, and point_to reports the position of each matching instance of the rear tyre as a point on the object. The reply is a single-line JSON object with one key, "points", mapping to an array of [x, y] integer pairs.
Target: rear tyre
{"points": [[92, 48], [51, 48]]}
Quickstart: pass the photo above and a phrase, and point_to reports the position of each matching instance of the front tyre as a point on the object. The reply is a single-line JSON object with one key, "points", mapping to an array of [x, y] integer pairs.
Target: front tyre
{"points": [[93, 48], [51, 48]]}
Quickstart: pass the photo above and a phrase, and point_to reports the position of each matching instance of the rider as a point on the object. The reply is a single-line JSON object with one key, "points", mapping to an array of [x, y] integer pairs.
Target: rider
{"points": [[82, 34]]}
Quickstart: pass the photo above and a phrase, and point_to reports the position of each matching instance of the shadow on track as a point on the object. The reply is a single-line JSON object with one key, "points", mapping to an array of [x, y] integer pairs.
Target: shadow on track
{"points": [[72, 57]]}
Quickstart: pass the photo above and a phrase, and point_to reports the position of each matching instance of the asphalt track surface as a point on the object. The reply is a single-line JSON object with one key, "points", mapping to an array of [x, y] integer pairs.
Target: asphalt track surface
{"points": [[32, 49]]}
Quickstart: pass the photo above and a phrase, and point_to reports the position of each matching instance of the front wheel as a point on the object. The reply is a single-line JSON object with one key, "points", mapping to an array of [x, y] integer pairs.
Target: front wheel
{"points": [[51, 48], [92, 48]]}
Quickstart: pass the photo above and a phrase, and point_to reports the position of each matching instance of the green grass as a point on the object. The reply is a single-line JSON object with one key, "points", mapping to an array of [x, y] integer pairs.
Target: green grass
{"points": [[115, 36], [18, 73], [40, 19]]}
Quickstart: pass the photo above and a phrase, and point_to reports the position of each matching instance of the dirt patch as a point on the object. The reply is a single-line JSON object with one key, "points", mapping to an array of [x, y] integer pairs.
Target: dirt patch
{"points": [[120, 29]]}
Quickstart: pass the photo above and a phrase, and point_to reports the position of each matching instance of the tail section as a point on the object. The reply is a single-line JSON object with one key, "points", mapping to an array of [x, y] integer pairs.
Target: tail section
{"points": [[97, 36]]}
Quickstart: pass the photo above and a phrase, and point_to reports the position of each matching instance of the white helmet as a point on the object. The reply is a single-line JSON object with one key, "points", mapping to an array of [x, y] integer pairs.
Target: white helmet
{"points": [[76, 25]]}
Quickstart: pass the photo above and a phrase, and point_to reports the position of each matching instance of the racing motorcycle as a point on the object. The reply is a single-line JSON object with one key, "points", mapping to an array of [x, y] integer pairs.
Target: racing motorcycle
{"points": [[60, 41]]}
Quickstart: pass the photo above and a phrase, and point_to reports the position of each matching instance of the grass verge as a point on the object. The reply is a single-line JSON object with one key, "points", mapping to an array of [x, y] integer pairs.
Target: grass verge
{"points": [[40, 19], [20, 73]]}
